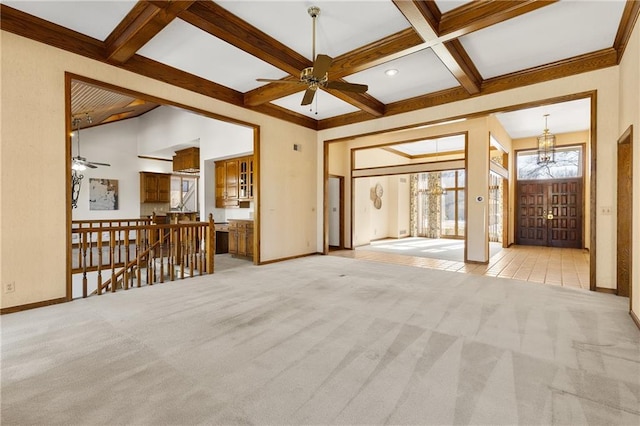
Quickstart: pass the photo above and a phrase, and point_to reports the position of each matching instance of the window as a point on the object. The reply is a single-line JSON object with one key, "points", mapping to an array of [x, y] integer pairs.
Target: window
{"points": [[184, 193], [453, 221], [440, 204], [568, 164]]}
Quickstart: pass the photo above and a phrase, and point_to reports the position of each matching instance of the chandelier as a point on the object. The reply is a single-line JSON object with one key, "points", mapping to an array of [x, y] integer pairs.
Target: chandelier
{"points": [[437, 190], [546, 145]]}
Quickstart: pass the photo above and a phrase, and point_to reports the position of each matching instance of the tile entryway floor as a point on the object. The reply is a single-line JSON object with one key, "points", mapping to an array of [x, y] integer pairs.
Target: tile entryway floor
{"points": [[547, 265]]}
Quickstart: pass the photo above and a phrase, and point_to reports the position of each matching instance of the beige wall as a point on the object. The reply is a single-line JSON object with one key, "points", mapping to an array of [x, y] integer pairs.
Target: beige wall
{"points": [[630, 115], [33, 133]]}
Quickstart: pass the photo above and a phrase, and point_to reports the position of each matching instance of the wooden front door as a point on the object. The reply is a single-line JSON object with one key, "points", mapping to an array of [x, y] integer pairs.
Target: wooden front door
{"points": [[550, 213], [624, 216]]}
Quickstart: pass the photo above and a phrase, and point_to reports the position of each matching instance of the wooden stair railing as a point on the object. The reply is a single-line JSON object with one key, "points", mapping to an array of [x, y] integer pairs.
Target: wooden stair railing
{"points": [[182, 248]]}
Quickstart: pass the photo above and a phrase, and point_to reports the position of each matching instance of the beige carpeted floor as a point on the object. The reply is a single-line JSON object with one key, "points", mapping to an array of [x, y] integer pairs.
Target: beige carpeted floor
{"points": [[325, 340]]}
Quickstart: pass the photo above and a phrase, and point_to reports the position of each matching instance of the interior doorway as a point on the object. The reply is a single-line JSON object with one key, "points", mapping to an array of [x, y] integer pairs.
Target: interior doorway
{"points": [[336, 212], [549, 199], [624, 214]]}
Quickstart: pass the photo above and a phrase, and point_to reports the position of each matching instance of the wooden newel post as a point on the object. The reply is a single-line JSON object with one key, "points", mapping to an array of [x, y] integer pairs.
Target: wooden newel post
{"points": [[211, 244]]}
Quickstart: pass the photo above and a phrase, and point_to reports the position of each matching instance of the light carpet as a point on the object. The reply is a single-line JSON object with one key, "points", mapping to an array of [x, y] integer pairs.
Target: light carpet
{"points": [[325, 340]]}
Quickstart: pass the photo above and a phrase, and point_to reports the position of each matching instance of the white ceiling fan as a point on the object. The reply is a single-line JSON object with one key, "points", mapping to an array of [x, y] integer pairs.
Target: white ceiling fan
{"points": [[317, 75], [81, 163]]}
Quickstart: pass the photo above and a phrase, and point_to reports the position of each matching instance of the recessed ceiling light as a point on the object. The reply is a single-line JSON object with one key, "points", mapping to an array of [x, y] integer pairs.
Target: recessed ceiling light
{"points": [[391, 72]]}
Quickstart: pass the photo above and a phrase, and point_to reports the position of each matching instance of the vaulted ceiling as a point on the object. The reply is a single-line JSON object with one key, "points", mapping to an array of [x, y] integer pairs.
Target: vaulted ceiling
{"points": [[443, 51]]}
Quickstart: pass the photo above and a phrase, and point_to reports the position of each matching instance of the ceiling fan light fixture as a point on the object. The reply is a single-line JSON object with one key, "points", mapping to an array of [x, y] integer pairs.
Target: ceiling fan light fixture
{"points": [[317, 76], [79, 167], [391, 72]]}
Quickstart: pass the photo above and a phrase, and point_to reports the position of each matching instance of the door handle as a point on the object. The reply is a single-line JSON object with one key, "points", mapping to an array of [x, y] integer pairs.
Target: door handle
{"points": [[550, 216]]}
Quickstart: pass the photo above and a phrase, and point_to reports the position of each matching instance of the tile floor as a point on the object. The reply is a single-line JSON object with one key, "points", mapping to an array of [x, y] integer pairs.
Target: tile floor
{"points": [[547, 265]]}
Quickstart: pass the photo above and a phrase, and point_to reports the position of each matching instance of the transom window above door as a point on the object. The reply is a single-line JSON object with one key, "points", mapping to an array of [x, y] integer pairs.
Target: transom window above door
{"points": [[568, 164]]}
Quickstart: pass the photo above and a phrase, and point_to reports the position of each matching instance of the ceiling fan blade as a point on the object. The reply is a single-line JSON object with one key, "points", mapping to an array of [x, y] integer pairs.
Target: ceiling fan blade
{"points": [[268, 80], [321, 65], [308, 96], [101, 164], [90, 165], [347, 87]]}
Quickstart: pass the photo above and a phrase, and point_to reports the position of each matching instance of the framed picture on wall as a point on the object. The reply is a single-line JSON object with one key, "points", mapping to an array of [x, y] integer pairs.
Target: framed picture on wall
{"points": [[103, 194]]}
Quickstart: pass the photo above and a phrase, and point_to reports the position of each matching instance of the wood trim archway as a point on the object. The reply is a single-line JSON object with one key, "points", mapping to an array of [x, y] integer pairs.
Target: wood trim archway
{"points": [[593, 145], [69, 77]]}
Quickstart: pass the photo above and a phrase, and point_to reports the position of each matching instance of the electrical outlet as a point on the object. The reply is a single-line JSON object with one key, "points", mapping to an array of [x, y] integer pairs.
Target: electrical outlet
{"points": [[605, 210], [10, 287]]}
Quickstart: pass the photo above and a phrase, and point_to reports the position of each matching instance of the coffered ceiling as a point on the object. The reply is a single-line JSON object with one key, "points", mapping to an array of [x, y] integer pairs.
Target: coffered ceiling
{"points": [[443, 51]]}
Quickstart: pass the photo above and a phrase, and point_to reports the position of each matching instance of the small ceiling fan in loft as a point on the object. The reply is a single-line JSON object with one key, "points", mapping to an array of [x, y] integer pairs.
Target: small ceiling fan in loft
{"points": [[317, 76], [81, 163]]}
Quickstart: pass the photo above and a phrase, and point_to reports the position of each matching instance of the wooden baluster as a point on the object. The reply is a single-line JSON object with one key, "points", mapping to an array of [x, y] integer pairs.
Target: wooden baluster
{"points": [[201, 232], [79, 234], [148, 255], [125, 274], [84, 267], [172, 254], [211, 244], [187, 246], [138, 251], [150, 270], [90, 248], [161, 241], [127, 237], [99, 279], [182, 250], [119, 243], [192, 249], [112, 249]]}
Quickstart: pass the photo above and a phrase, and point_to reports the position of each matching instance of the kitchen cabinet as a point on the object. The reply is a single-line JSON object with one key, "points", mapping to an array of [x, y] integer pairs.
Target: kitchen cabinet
{"points": [[187, 160], [155, 187], [241, 237], [234, 182], [245, 178]]}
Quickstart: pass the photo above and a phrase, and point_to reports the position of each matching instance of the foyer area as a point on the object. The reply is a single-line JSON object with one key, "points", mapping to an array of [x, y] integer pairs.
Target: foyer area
{"points": [[562, 267]]}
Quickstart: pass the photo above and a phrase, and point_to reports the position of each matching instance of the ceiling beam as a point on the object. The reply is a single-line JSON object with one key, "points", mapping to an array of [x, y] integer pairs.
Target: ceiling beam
{"points": [[142, 23], [476, 15], [572, 66], [219, 22], [25, 25], [421, 18], [627, 23], [376, 53]]}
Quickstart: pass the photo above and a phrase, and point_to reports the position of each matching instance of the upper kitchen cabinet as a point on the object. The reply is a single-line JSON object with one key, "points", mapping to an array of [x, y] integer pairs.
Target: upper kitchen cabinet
{"points": [[234, 182], [245, 178], [187, 160], [155, 187]]}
